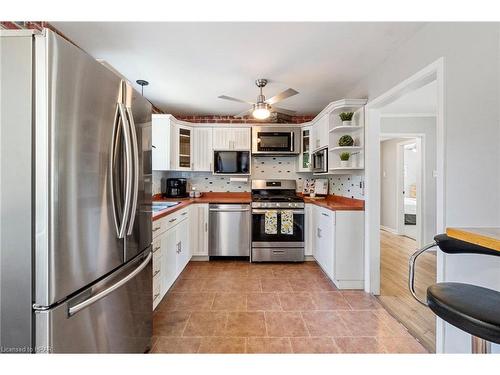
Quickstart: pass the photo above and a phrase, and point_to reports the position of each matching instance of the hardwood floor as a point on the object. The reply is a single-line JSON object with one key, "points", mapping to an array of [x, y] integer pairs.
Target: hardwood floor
{"points": [[394, 294]]}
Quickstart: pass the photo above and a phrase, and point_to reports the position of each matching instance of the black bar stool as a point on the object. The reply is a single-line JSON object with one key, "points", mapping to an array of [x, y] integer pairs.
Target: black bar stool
{"points": [[471, 308]]}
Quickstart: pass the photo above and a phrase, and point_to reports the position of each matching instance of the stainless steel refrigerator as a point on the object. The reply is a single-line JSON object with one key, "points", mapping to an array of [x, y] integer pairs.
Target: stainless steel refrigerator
{"points": [[75, 193]]}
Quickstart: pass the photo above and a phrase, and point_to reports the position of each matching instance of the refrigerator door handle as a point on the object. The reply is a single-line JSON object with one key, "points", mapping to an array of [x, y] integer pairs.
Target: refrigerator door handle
{"points": [[135, 170], [112, 159], [82, 305], [128, 169]]}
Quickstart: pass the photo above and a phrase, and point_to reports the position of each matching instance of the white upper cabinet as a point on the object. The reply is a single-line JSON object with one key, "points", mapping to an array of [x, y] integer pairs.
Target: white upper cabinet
{"points": [[321, 127], [202, 150], [225, 138], [304, 159], [183, 144], [161, 132], [172, 144]]}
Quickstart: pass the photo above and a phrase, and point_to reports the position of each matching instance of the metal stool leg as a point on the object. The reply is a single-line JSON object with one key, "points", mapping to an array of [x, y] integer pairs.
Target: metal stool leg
{"points": [[480, 346]]}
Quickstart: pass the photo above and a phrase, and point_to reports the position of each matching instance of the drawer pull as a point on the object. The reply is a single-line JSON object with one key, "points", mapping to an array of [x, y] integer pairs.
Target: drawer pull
{"points": [[184, 213], [172, 220], [155, 229], [325, 214], [156, 273], [156, 249]]}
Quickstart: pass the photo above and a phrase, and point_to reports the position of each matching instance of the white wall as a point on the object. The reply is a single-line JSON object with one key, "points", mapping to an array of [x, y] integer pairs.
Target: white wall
{"points": [[472, 135], [389, 181], [427, 127]]}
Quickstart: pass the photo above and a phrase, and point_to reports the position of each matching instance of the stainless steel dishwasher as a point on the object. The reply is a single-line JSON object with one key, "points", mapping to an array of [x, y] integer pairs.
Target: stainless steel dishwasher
{"points": [[229, 233]]}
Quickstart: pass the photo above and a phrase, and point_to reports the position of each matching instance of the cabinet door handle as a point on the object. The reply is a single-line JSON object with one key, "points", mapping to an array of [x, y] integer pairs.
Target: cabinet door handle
{"points": [[155, 229], [184, 213], [156, 296], [156, 249], [156, 273], [325, 214], [172, 220], [319, 233], [206, 227]]}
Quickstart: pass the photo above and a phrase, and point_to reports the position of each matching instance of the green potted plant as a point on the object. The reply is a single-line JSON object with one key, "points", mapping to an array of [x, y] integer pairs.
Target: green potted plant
{"points": [[344, 159], [346, 118], [346, 141]]}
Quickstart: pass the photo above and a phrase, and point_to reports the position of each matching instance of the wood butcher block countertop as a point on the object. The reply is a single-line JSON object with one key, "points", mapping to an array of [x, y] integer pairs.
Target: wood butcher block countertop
{"points": [[483, 236], [332, 202], [213, 197], [337, 203]]}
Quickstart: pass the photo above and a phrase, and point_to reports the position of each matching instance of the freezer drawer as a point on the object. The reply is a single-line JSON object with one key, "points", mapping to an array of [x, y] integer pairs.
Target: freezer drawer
{"points": [[229, 233], [120, 322]]}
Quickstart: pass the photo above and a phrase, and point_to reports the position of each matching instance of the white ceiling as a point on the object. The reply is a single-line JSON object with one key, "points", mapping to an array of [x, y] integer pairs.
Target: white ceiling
{"points": [[422, 101], [189, 64]]}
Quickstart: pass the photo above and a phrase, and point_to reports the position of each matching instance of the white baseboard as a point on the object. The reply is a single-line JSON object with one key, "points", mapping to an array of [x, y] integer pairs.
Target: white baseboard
{"points": [[390, 230], [200, 258], [349, 284]]}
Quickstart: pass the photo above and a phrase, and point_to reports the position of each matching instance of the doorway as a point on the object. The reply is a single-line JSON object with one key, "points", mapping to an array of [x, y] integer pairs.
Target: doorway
{"points": [[402, 166]]}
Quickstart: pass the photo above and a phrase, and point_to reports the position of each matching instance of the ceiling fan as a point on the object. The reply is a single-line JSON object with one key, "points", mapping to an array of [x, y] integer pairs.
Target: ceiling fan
{"points": [[263, 108]]}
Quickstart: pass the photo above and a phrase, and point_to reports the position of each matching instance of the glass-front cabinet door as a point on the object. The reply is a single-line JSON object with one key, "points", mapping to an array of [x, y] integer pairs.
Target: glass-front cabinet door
{"points": [[185, 147], [305, 151]]}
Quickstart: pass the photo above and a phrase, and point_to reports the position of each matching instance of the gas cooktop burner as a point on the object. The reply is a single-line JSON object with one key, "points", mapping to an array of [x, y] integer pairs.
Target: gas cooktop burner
{"points": [[281, 198]]}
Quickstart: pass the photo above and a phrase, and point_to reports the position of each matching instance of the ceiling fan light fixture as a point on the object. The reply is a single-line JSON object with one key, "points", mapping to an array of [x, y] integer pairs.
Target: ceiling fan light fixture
{"points": [[261, 111]]}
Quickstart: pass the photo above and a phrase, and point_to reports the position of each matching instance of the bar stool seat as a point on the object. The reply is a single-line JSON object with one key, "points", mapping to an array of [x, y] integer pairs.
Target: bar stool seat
{"points": [[471, 308]]}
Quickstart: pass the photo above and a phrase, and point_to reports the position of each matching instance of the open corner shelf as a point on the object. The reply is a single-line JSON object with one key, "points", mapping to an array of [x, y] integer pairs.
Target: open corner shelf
{"points": [[345, 128], [346, 148], [346, 169]]}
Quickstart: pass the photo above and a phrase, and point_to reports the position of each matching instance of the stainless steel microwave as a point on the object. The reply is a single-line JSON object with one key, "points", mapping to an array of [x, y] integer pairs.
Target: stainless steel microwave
{"points": [[231, 162], [320, 161], [275, 140]]}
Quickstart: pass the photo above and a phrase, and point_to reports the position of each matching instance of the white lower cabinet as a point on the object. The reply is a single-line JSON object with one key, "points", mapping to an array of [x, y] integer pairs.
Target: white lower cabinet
{"points": [[198, 221], [337, 245], [171, 251], [308, 230]]}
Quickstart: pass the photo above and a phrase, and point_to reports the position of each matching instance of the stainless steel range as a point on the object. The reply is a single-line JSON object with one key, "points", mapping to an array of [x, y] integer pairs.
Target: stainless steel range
{"points": [[277, 222]]}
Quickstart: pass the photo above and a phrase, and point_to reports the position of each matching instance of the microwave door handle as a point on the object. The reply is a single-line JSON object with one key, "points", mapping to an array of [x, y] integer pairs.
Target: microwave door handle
{"points": [[128, 171], [292, 148], [135, 170]]}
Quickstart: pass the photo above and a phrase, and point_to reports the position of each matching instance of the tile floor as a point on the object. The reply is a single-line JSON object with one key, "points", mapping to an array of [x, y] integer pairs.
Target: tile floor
{"points": [[238, 307]]}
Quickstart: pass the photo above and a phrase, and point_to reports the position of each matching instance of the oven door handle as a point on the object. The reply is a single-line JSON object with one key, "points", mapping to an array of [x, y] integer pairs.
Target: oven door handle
{"points": [[229, 210], [260, 211]]}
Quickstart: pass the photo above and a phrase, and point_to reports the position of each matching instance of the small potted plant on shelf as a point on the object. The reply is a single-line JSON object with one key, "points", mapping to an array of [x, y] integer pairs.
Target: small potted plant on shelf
{"points": [[346, 118], [344, 159], [346, 141]]}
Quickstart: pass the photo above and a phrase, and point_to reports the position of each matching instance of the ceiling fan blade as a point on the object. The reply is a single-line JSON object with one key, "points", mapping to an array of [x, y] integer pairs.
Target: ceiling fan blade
{"points": [[233, 99], [282, 96], [284, 111], [243, 114]]}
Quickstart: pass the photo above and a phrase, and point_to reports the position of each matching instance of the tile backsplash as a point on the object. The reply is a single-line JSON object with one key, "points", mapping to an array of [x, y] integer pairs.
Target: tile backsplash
{"points": [[262, 168], [350, 186]]}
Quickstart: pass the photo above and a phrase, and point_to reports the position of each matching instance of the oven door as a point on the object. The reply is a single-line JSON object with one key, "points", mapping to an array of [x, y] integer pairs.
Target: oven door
{"points": [[261, 239]]}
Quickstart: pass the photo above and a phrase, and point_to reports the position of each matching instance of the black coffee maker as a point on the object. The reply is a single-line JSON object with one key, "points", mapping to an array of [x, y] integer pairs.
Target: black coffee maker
{"points": [[174, 187]]}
